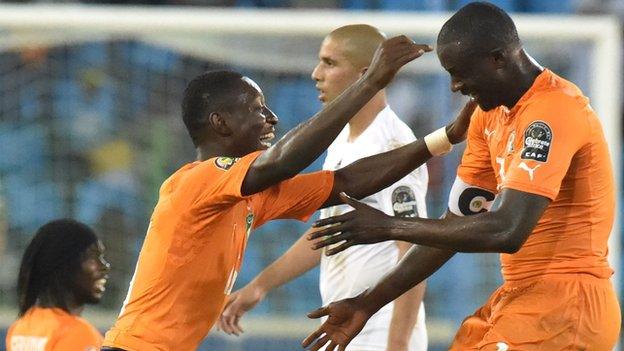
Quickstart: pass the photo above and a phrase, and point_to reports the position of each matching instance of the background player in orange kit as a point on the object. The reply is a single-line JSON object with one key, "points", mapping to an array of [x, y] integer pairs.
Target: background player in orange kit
{"points": [[63, 269], [206, 210], [535, 142]]}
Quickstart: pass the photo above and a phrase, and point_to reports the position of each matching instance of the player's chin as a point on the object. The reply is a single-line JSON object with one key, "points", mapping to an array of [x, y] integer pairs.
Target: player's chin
{"points": [[94, 298], [487, 102], [485, 106]]}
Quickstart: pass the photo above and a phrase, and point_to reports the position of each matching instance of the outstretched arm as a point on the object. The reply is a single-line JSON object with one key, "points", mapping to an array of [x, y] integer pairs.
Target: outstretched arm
{"points": [[503, 230], [372, 174], [348, 317], [405, 311], [302, 145], [299, 259]]}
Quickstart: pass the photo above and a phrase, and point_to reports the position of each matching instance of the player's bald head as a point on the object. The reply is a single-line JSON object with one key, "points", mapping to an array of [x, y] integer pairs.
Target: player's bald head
{"points": [[359, 42], [479, 28]]}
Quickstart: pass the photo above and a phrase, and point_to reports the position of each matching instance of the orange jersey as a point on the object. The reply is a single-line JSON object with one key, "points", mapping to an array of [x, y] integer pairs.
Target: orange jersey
{"points": [[550, 144], [52, 329], [194, 248]]}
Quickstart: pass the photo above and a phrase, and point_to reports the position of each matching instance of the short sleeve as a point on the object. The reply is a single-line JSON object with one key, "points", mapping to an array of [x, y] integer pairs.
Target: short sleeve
{"points": [[553, 129], [217, 181], [78, 336], [476, 165], [295, 198]]}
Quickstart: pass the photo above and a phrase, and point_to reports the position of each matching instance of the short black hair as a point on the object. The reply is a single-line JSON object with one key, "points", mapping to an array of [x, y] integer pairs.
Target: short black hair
{"points": [[51, 262], [482, 26], [206, 93]]}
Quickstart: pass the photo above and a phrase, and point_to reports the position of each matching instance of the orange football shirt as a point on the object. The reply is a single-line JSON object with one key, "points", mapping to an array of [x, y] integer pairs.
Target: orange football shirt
{"points": [[194, 248], [550, 144], [52, 329]]}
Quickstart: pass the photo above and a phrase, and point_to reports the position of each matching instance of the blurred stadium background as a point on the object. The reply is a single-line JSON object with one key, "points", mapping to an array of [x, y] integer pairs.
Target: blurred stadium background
{"points": [[90, 123]]}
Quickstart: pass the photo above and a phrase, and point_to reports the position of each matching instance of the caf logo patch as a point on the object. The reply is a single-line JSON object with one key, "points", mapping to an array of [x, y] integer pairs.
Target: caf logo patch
{"points": [[226, 163], [537, 139], [404, 202]]}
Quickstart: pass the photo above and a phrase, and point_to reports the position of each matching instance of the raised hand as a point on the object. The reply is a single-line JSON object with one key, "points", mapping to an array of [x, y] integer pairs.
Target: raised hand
{"points": [[390, 56], [456, 131], [239, 303], [346, 318], [364, 225]]}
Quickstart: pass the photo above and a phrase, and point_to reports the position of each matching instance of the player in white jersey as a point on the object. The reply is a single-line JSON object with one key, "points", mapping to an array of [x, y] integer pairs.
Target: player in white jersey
{"points": [[359, 267], [343, 57]]}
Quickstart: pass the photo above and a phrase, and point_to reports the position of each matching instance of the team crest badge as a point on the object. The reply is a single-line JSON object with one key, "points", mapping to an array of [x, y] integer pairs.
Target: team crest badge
{"points": [[404, 202], [537, 139], [226, 163]]}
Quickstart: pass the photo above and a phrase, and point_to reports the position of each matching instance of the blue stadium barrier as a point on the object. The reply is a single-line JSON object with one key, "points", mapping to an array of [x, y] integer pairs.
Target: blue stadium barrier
{"points": [[155, 58], [23, 148], [358, 4], [84, 111], [94, 197], [65, 98], [507, 5], [413, 5], [93, 54], [551, 6], [288, 98], [31, 203], [30, 101]]}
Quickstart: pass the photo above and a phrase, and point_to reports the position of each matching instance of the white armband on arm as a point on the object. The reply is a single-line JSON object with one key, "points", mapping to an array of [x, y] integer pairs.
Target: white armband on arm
{"points": [[466, 199]]}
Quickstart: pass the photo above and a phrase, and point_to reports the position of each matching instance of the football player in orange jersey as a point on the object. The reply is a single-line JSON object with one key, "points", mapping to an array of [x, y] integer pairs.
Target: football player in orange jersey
{"points": [[536, 143], [206, 210], [62, 270]]}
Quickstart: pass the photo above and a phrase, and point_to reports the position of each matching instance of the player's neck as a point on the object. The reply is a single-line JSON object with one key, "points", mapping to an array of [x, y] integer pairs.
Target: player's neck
{"points": [[524, 76], [365, 117], [46, 301], [210, 150]]}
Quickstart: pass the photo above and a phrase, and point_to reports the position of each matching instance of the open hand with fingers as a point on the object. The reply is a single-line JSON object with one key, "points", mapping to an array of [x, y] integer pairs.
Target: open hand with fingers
{"points": [[346, 318], [391, 55], [239, 303], [364, 225]]}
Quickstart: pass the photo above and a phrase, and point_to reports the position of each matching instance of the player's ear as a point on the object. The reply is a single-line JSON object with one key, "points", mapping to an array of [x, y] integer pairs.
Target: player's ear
{"points": [[218, 122], [498, 57]]}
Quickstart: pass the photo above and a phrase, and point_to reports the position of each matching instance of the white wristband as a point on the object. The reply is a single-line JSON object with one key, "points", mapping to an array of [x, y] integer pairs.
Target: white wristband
{"points": [[438, 143]]}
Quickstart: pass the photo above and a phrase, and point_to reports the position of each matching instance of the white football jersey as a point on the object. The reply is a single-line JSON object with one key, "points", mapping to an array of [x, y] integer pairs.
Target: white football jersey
{"points": [[350, 272]]}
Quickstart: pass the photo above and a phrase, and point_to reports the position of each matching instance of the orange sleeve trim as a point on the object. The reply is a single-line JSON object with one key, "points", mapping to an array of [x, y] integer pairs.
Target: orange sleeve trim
{"points": [[328, 186]]}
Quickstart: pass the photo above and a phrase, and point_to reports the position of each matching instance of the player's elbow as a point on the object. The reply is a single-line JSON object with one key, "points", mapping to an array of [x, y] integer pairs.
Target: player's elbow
{"points": [[509, 247], [344, 183], [511, 242]]}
